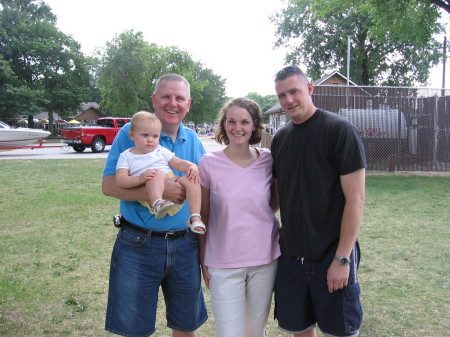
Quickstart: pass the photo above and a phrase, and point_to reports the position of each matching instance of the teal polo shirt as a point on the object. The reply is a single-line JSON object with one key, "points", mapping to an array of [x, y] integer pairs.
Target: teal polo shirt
{"points": [[187, 146]]}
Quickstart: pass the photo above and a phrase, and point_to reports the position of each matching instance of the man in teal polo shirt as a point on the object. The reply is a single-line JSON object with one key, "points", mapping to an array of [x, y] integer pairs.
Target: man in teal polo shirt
{"points": [[150, 253]]}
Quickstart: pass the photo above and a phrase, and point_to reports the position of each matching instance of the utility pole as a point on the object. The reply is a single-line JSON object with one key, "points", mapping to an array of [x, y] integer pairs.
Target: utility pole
{"points": [[443, 65], [348, 60], [348, 72]]}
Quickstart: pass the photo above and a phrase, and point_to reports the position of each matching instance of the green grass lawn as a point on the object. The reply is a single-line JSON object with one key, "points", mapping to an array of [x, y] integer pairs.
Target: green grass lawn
{"points": [[56, 237]]}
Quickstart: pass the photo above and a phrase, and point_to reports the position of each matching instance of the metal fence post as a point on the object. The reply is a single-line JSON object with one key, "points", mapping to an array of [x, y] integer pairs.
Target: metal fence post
{"points": [[435, 129], [399, 131]]}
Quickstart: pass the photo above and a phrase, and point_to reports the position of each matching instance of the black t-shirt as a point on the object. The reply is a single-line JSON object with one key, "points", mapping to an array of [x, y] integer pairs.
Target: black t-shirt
{"points": [[309, 159]]}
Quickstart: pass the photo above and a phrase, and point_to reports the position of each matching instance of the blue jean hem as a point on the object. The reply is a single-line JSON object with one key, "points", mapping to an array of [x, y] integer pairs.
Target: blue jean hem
{"points": [[189, 330], [120, 333]]}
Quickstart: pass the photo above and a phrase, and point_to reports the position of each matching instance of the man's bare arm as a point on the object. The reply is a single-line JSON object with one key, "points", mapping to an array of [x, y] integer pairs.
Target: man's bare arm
{"points": [[172, 190], [111, 189], [353, 186]]}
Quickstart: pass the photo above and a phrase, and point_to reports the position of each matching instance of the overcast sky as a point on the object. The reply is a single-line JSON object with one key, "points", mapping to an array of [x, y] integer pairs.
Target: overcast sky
{"points": [[234, 38]]}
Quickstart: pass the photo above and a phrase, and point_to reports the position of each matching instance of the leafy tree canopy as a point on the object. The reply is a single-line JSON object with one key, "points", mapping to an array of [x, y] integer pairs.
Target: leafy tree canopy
{"points": [[129, 68], [392, 42], [265, 102], [43, 68], [14, 95], [48, 70]]}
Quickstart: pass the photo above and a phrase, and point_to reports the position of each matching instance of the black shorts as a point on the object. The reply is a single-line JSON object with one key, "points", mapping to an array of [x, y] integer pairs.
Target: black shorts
{"points": [[302, 298]]}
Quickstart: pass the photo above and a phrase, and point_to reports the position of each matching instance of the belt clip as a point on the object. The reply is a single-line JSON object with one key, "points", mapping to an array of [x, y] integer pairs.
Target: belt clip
{"points": [[169, 235], [117, 220]]}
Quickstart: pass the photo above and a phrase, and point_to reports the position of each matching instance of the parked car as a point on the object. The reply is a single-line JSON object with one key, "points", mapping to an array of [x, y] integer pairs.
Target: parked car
{"points": [[96, 137]]}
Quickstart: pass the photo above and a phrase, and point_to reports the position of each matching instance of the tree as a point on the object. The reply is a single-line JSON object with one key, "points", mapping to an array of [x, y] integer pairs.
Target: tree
{"points": [[210, 91], [444, 4], [14, 96], [265, 102], [44, 60], [392, 42], [121, 74], [129, 68]]}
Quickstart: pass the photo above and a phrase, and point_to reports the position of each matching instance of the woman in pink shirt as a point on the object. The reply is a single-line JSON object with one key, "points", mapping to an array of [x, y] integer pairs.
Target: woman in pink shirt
{"points": [[239, 253]]}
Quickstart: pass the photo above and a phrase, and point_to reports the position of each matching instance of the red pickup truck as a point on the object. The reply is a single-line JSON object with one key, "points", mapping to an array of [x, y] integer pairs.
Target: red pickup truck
{"points": [[96, 137]]}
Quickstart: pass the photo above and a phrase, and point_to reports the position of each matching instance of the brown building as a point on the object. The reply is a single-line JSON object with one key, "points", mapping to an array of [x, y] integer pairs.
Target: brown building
{"points": [[89, 113]]}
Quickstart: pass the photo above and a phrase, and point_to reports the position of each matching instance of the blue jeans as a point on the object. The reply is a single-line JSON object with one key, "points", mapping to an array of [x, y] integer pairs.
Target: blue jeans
{"points": [[139, 266]]}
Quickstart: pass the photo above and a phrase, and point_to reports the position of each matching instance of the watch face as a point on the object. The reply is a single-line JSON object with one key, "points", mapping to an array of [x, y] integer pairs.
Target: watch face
{"points": [[344, 261]]}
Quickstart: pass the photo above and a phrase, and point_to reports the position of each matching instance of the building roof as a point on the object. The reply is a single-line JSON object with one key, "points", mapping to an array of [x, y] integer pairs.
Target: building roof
{"points": [[44, 115], [83, 108], [275, 109], [323, 80], [90, 113]]}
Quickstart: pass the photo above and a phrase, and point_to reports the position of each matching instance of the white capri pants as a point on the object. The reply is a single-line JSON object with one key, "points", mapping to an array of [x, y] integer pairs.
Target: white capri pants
{"points": [[241, 298]]}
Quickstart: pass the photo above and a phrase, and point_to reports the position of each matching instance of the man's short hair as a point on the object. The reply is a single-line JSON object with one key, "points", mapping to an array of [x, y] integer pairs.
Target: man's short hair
{"points": [[290, 71], [172, 77]]}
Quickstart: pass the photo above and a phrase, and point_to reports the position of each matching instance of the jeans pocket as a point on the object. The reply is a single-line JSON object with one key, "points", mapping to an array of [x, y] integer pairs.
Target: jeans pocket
{"points": [[131, 238], [191, 237]]}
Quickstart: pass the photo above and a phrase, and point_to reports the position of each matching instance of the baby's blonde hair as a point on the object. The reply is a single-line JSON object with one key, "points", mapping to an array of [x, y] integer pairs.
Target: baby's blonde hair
{"points": [[142, 115]]}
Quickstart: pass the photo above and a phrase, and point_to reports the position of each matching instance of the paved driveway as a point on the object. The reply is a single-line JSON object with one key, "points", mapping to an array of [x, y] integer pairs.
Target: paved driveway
{"points": [[58, 151]]}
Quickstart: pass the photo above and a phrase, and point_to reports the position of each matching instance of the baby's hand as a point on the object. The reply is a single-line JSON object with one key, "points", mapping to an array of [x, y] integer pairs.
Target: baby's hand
{"points": [[147, 175], [192, 174]]}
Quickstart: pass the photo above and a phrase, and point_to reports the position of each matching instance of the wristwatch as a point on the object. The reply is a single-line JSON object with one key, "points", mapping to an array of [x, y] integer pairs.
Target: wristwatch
{"points": [[342, 260]]}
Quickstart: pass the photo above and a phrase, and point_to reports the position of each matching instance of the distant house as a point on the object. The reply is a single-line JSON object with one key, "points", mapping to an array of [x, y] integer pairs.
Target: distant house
{"points": [[89, 113], [277, 118], [44, 116], [40, 120], [334, 78]]}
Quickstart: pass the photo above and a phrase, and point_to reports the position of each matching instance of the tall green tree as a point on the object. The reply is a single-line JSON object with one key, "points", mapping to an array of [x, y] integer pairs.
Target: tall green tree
{"points": [[14, 95], [265, 102], [209, 91], [45, 60], [392, 42], [121, 74], [129, 68]]}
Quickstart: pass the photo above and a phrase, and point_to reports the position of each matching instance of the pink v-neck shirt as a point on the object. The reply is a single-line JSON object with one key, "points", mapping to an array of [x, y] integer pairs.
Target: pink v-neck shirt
{"points": [[242, 228]]}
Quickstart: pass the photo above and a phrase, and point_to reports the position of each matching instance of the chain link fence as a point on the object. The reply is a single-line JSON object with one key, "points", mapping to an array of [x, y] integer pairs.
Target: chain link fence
{"points": [[403, 129]]}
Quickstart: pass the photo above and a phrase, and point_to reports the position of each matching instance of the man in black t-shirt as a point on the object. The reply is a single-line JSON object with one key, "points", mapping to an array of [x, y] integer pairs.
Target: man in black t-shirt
{"points": [[319, 164]]}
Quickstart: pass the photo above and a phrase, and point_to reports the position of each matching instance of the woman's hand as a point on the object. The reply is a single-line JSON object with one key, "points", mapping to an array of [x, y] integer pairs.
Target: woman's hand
{"points": [[206, 275]]}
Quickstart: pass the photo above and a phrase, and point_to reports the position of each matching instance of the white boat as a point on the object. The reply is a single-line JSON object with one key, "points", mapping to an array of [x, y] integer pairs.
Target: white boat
{"points": [[10, 137]]}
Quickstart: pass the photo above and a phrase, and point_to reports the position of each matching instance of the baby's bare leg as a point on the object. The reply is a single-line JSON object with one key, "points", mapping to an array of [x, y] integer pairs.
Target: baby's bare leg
{"points": [[155, 187], [193, 196]]}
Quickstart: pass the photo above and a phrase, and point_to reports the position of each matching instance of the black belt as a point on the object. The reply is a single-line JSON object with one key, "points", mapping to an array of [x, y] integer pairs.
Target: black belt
{"points": [[169, 235]]}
